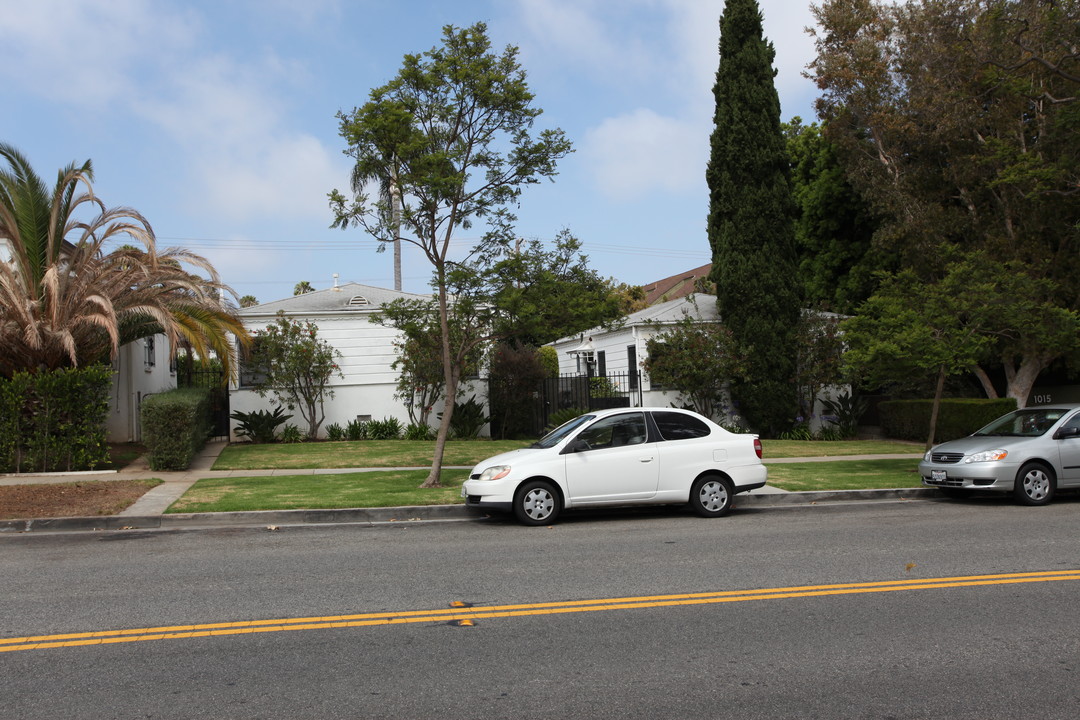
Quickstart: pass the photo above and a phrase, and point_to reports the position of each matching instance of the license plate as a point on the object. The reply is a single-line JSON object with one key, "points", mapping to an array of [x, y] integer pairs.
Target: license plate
{"points": [[938, 475]]}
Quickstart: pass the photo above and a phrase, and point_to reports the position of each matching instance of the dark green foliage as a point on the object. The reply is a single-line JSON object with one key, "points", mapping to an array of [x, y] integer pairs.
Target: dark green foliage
{"points": [[260, 425], [416, 431], [291, 434], [385, 429], [514, 381], [335, 432], [468, 419], [750, 221], [175, 425], [844, 411], [356, 430], [910, 419], [54, 420]]}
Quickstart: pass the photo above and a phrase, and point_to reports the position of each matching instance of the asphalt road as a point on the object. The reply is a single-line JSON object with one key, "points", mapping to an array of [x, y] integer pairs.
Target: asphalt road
{"points": [[602, 616]]}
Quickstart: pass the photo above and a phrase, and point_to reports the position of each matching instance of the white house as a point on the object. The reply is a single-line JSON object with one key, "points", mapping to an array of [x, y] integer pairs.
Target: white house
{"points": [[343, 317], [618, 353]]}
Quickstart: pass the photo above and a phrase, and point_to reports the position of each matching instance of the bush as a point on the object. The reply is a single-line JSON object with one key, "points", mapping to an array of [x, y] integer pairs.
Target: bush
{"points": [[175, 425], [291, 434], [416, 431], [356, 430], [957, 417], [468, 419], [335, 432], [260, 425], [385, 429], [54, 420]]}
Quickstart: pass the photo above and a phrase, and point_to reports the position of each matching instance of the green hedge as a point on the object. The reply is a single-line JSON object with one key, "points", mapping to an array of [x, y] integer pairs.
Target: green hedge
{"points": [[957, 417], [175, 426], [54, 420]]}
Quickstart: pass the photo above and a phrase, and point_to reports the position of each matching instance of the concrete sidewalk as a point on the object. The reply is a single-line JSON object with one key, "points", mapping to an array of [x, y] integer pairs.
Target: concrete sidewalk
{"points": [[148, 512]]}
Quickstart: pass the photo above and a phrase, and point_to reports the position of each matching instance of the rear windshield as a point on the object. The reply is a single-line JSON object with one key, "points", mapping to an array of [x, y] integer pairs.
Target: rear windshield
{"points": [[1024, 423]]}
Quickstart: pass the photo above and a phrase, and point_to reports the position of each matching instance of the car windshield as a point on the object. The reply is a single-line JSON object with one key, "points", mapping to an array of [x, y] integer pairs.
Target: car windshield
{"points": [[1024, 423], [554, 437]]}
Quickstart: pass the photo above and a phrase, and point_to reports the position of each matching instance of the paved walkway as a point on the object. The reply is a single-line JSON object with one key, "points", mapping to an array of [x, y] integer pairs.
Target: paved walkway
{"points": [[148, 511]]}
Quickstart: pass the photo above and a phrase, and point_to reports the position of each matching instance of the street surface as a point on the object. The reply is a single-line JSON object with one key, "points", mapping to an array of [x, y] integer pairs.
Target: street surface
{"points": [[943, 610]]}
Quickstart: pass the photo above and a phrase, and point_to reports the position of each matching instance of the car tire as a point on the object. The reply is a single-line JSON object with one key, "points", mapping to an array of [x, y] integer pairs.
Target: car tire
{"points": [[1035, 484], [711, 496], [537, 502]]}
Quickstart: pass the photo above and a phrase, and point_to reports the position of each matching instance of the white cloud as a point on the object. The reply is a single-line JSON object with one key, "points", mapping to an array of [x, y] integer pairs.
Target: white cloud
{"points": [[638, 153]]}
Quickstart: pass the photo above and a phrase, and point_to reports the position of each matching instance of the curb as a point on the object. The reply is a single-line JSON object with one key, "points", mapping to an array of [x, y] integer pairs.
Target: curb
{"points": [[373, 516]]}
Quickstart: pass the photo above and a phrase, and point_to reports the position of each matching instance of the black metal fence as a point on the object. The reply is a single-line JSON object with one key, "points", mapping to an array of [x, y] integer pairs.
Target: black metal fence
{"points": [[528, 411], [213, 380]]}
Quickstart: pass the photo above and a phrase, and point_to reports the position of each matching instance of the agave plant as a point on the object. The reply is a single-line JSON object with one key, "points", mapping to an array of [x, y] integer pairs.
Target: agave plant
{"points": [[65, 301]]}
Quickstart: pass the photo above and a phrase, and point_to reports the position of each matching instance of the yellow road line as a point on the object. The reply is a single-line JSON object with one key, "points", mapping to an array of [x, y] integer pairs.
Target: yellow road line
{"points": [[467, 615]]}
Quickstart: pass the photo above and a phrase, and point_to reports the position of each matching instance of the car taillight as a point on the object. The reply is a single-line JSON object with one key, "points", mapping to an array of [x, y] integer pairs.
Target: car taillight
{"points": [[757, 447]]}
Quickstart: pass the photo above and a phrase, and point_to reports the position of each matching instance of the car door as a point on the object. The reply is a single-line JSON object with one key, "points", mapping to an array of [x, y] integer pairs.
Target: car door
{"points": [[613, 462], [1069, 451]]}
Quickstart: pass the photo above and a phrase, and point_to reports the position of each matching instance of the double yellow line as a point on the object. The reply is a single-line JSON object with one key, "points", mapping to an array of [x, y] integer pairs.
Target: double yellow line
{"points": [[462, 614]]}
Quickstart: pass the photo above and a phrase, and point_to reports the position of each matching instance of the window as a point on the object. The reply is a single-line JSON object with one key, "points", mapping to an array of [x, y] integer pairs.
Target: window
{"points": [[251, 375], [676, 426], [150, 359], [631, 364], [601, 363], [615, 431]]}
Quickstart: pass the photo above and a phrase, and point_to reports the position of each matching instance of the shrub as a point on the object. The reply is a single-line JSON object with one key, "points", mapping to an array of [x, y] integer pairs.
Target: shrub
{"points": [[416, 431], [335, 432], [468, 419], [356, 430], [175, 425], [291, 434], [385, 429], [54, 420], [845, 411], [957, 417], [260, 426]]}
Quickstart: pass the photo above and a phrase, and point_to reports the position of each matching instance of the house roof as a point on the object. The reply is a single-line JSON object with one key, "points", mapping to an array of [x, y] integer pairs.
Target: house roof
{"points": [[676, 286], [349, 297], [697, 305]]}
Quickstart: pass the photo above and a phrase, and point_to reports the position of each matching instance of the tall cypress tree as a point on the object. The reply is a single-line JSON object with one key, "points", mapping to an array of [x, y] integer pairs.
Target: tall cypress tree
{"points": [[751, 228]]}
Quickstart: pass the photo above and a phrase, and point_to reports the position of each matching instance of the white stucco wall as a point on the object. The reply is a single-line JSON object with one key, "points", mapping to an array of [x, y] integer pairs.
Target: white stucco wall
{"points": [[134, 378]]}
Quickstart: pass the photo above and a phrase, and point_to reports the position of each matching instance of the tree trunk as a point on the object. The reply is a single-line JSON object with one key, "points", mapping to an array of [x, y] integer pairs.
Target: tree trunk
{"points": [[936, 406], [986, 382], [450, 377], [1023, 380]]}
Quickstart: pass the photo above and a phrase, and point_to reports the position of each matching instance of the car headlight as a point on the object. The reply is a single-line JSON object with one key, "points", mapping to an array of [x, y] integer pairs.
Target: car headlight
{"points": [[495, 472], [987, 456], [928, 456]]}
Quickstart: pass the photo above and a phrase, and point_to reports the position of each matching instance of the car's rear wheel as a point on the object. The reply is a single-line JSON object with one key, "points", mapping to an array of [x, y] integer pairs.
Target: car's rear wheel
{"points": [[711, 496], [537, 502], [1034, 484]]}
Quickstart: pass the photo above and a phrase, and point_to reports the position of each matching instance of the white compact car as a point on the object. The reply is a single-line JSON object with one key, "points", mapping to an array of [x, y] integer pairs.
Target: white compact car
{"points": [[625, 456]]}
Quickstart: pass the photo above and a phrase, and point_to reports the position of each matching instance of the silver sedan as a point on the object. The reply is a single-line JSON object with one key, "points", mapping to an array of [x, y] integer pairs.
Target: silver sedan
{"points": [[1031, 453]]}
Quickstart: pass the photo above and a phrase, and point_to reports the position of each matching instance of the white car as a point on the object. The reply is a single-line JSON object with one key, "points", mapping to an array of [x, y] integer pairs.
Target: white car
{"points": [[625, 456]]}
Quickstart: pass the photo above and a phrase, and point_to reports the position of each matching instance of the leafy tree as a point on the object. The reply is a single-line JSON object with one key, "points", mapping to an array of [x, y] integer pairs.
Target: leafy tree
{"points": [[819, 356], [296, 368], [959, 120], [65, 302], [515, 375], [248, 301], [454, 133], [750, 220], [303, 288], [699, 359], [834, 229]]}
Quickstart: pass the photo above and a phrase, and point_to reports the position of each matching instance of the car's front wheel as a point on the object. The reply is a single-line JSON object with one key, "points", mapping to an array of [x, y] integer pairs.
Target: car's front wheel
{"points": [[711, 496], [537, 502], [1034, 484]]}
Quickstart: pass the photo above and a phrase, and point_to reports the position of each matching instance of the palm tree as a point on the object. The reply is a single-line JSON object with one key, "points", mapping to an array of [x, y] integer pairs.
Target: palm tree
{"points": [[303, 288], [64, 301]]}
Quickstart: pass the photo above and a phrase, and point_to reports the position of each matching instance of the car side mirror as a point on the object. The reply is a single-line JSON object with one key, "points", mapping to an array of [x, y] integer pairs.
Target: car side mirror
{"points": [[1067, 432]]}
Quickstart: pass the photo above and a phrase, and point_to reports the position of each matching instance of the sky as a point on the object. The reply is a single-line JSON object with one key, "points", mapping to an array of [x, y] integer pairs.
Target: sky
{"points": [[217, 120]]}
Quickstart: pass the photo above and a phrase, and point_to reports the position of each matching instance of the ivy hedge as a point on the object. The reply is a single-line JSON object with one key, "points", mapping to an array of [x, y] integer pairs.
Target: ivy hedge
{"points": [[957, 417], [54, 420], [175, 426]]}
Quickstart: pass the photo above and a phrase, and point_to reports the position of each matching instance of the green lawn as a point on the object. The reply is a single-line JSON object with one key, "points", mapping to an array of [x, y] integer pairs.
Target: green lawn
{"points": [[845, 475], [311, 492], [417, 453]]}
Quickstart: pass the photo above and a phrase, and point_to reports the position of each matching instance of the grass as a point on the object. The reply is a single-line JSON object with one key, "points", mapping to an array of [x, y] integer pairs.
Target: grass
{"points": [[845, 475], [417, 453], [310, 492]]}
